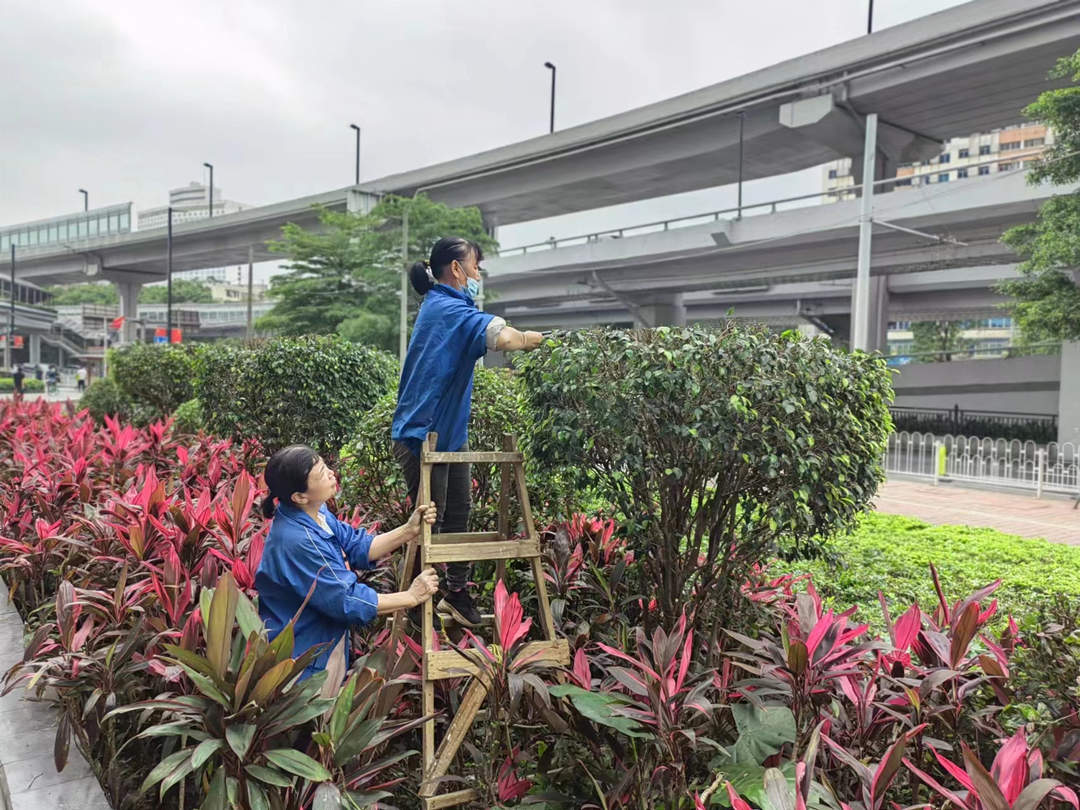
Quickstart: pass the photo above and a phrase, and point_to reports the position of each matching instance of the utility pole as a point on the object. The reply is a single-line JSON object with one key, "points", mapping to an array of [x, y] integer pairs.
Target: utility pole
{"points": [[168, 277], [251, 274]]}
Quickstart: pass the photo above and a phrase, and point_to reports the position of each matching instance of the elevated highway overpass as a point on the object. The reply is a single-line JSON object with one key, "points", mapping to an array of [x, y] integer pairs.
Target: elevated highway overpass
{"points": [[970, 68], [796, 264]]}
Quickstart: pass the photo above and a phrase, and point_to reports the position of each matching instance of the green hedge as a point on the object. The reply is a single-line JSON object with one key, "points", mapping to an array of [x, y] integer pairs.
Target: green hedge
{"points": [[371, 477], [893, 554], [31, 385], [158, 377], [104, 398], [309, 389], [714, 445], [188, 418]]}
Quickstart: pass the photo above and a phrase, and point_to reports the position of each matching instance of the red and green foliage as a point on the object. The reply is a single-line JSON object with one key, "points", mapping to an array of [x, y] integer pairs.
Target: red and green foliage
{"points": [[131, 554]]}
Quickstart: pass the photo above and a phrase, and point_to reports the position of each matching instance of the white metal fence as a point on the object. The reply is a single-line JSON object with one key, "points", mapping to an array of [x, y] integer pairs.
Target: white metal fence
{"points": [[1050, 467]]}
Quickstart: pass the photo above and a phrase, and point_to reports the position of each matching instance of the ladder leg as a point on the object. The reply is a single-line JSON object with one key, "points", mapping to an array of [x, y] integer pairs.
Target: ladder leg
{"points": [[398, 626], [427, 629], [505, 483], [537, 562], [455, 733]]}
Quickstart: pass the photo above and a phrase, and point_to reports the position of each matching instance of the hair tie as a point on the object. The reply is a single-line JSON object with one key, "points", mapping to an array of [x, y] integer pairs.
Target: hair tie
{"points": [[430, 275]]}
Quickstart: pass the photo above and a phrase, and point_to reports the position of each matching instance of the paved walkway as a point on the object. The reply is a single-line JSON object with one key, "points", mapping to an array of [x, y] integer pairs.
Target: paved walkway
{"points": [[1011, 512]]}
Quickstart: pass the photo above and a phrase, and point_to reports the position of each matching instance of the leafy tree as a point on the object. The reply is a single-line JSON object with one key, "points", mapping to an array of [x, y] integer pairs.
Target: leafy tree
{"points": [[344, 278], [90, 293], [943, 339], [184, 291], [1047, 294]]}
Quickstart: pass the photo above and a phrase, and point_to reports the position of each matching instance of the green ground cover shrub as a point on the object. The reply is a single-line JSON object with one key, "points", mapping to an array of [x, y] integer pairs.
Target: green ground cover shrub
{"points": [[893, 554]]}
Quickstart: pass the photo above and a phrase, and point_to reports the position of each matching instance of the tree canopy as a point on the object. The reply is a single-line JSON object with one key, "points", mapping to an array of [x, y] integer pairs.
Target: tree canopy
{"points": [[1046, 296], [345, 277]]}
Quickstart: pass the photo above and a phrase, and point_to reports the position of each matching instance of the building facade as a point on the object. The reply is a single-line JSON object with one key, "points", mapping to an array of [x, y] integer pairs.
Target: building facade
{"points": [[976, 155], [189, 203]]}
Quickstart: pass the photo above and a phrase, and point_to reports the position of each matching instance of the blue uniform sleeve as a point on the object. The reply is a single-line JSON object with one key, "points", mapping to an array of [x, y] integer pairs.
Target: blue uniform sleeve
{"points": [[356, 543], [338, 594], [475, 331]]}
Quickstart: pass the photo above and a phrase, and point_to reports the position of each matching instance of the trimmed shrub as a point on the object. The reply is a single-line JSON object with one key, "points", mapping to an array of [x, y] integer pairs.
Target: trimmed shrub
{"points": [[188, 418], [104, 398], [714, 445], [285, 390], [371, 477], [157, 377], [31, 385]]}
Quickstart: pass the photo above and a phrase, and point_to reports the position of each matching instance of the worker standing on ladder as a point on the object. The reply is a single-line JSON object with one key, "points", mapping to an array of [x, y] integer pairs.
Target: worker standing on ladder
{"points": [[435, 392]]}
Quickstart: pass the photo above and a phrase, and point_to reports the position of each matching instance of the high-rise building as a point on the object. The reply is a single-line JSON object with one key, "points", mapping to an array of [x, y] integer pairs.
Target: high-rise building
{"points": [[189, 203], [976, 155]]}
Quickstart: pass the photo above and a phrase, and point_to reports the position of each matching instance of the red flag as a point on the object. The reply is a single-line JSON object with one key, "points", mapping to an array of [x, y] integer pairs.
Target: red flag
{"points": [[117, 322], [176, 336]]}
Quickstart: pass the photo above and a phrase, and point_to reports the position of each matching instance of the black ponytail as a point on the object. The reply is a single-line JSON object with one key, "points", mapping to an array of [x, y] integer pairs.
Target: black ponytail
{"points": [[418, 277], [445, 251], [287, 473]]}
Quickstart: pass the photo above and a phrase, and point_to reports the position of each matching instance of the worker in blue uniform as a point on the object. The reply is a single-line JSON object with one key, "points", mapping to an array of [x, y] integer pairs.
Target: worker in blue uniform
{"points": [[435, 392], [308, 546]]}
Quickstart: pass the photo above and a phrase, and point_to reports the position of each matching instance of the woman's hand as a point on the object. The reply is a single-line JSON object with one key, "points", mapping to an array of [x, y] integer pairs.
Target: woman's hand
{"points": [[427, 513], [424, 586], [532, 341]]}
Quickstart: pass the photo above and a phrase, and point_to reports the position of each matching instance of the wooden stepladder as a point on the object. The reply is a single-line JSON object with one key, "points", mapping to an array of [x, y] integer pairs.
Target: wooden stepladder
{"points": [[471, 547]]}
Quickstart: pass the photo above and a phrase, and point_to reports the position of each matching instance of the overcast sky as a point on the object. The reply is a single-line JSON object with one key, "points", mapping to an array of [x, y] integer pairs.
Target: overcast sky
{"points": [[127, 98]]}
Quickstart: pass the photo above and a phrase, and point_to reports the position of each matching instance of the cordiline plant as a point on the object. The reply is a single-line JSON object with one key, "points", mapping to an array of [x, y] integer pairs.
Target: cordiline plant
{"points": [[236, 733], [649, 719], [586, 566], [89, 661], [516, 694], [1014, 782]]}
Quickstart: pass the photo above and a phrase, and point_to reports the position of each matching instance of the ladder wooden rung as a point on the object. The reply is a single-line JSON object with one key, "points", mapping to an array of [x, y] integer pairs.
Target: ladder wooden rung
{"points": [[465, 537], [486, 619], [473, 552], [468, 457], [450, 799], [442, 664]]}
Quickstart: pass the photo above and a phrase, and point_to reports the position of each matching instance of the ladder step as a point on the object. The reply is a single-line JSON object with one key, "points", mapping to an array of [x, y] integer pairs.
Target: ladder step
{"points": [[450, 799], [442, 664], [486, 457], [472, 552], [465, 537]]}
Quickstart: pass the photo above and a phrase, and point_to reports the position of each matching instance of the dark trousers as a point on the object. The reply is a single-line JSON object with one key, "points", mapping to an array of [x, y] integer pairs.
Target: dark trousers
{"points": [[451, 490]]}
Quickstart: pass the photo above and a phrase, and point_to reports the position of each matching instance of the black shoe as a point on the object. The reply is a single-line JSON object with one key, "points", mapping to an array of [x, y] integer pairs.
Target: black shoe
{"points": [[461, 608]]}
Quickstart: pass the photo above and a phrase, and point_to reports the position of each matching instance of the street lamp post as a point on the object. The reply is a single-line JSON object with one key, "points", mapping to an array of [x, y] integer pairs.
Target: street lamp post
{"points": [[354, 126], [85, 199], [870, 19], [9, 347], [551, 67], [211, 197], [168, 277]]}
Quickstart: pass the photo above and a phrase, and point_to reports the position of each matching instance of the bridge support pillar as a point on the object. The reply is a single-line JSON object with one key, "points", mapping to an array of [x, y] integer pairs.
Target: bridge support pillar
{"points": [[667, 310], [129, 309], [1069, 395], [35, 348]]}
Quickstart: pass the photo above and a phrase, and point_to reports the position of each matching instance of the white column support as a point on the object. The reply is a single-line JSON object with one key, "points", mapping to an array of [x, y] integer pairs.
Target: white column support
{"points": [[860, 316], [129, 308]]}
